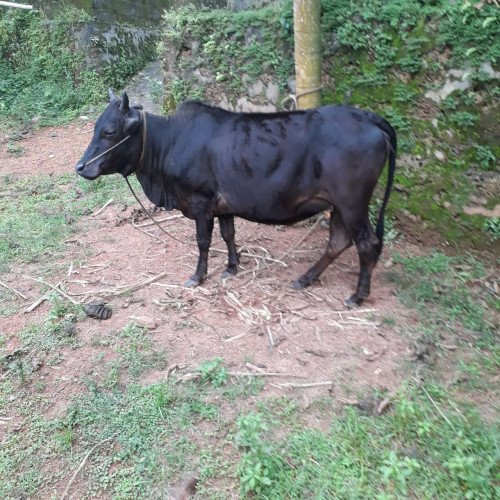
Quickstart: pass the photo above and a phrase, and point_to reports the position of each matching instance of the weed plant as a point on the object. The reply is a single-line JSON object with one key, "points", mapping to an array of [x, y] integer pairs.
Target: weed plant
{"points": [[415, 451]]}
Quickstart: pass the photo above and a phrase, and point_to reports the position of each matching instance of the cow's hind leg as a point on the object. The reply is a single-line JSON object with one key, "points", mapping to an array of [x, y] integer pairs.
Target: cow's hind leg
{"points": [[204, 228], [226, 224], [369, 248], [340, 239]]}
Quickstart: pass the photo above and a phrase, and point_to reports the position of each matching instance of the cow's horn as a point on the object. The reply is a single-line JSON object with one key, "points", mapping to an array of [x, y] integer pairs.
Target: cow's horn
{"points": [[112, 96], [125, 105]]}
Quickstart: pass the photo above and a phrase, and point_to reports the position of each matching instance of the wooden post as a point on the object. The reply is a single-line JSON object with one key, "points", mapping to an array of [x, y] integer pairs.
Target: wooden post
{"points": [[307, 24]]}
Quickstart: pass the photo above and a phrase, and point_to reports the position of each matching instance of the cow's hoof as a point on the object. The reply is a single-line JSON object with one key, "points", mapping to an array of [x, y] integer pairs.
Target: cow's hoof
{"points": [[301, 283], [228, 273], [192, 282], [353, 301]]}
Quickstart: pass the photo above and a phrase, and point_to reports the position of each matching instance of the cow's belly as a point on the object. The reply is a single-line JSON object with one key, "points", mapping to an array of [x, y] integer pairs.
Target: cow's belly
{"points": [[287, 211]]}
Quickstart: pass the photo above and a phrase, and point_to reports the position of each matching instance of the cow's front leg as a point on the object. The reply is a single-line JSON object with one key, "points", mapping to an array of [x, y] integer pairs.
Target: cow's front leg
{"points": [[204, 228], [226, 224]]}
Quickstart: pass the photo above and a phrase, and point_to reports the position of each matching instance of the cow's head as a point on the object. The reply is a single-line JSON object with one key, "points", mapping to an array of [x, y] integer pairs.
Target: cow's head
{"points": [[117, 143]]}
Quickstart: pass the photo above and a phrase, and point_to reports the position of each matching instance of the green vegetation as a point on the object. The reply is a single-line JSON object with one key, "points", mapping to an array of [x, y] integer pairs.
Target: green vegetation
{"points": [[414, 451], [44, 76], [248, 42], [440, 287], [145, 438], [213, 372], [35, 227], [447, 293]]}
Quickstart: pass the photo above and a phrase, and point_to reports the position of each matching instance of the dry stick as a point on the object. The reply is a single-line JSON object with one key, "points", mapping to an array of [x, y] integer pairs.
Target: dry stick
{"points": [[165, 219], [82, 464], [302, 386], [37, 302], [266, 374], [16, 5], [118, 291], [132, 288], [55, 288], [310, 230], [13, 291], [6, 373], [230, 339], [437, 407], [103, 207], [269, 333], [354, 311]]}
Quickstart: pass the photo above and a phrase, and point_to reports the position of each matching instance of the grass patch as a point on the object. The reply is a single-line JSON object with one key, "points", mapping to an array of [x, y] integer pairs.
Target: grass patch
{"points": [[144, 438], [151, 442], [439, 286], [414, 451], [33, 229]]}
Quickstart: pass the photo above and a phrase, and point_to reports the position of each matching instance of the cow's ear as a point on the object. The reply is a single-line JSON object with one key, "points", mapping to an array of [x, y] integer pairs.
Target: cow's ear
{"points": [[112, 96], [132, 121], [124, 106]]}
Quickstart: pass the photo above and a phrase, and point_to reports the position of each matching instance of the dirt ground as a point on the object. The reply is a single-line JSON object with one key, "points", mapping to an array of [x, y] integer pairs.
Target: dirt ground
{"points": [[256, 322]]}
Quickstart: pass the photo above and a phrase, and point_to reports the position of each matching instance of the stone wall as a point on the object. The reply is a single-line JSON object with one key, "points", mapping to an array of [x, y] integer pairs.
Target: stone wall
{"points": [[105, 44], [233, 60]]}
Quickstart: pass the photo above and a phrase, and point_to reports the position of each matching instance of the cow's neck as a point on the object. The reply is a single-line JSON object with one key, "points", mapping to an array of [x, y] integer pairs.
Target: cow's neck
{"points": [[152, 172]]}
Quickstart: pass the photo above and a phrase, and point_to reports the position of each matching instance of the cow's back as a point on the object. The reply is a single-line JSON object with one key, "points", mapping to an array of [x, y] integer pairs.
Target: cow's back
{"points": [[276, 167]]}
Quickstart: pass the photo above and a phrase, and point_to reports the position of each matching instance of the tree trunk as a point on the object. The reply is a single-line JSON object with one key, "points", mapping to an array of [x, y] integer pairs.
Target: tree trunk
{"points": [[306, 24]]}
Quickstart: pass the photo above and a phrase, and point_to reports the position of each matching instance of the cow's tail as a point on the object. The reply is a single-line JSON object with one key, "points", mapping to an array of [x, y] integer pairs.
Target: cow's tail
{"points": [[392, 146]]}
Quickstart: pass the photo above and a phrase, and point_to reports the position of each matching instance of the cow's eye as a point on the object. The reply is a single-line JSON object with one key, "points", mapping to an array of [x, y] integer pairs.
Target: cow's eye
{"points": [[108, 133]]}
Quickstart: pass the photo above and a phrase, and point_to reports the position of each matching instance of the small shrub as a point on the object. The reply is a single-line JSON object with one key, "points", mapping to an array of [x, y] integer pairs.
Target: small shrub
{"points": [[463, 119], [485, 156], [213, 372], [257, 464], [492, 227]]}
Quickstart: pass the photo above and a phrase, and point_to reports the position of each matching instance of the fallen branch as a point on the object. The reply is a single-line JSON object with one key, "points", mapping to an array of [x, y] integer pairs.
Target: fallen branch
{"points": [[159, 221], [19, 294], [265, 374], [135, 287], [55, 288], [301, 386], [80, 467], [122, 289], [37, 302]]}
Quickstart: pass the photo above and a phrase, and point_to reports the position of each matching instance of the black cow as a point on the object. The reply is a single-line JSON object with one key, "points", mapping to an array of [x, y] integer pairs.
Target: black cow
{"points": [[275, 168]]}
